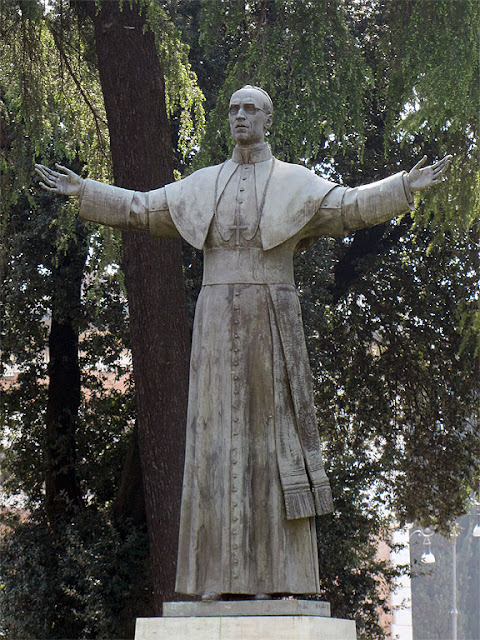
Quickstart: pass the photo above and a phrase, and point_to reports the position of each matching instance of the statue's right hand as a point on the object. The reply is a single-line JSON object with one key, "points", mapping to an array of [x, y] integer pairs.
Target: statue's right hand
{"points": [[64, 181]]}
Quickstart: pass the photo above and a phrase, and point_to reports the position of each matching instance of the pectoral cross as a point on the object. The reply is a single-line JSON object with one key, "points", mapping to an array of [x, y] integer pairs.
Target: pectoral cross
{"points": [[237, 228]]}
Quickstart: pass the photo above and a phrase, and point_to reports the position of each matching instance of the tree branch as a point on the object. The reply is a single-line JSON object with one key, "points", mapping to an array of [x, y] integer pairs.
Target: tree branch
{"points": [[366, 243], [78, 84]]}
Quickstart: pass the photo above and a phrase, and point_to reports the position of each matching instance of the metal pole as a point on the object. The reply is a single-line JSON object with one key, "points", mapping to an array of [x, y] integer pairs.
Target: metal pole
{"points": [[454, 612]]}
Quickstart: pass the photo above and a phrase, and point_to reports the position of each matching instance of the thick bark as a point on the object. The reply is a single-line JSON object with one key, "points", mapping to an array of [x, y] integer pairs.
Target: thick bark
{"points": [[129, 505], [134, 94], [62, 493]]}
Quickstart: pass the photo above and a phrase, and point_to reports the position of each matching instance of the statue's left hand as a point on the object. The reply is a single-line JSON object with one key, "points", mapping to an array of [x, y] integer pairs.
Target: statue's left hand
{"points": [[421, 177]]}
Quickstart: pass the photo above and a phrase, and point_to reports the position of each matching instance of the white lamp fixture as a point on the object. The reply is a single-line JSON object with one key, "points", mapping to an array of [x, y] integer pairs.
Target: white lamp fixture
{"points": [[427, 555]]}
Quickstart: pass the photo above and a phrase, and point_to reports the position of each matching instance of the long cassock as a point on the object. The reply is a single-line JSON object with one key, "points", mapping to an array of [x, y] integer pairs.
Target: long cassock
{"points": [[254, 476]]}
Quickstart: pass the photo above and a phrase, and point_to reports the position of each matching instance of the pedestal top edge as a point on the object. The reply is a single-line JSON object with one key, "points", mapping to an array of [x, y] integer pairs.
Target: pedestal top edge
{"points": [[247, 608]]}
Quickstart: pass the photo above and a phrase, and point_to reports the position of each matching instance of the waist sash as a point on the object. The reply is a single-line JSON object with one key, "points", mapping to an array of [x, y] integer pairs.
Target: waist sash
{"points": [[247, 265]]}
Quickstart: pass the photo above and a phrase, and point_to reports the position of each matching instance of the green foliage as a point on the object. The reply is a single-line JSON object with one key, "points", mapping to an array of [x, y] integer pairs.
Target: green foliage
{"points": [[71, 583], [438, 62], [396, 397], [350, 74], [74, 585], [319, 80], [49, 91], [353, 576], [396, 380], [434, 93], [184, 99], [36, 281], [361, 89], [81, 581]]}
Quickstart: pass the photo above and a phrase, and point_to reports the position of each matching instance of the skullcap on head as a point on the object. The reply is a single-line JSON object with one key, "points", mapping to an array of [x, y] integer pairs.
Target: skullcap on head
{"points": [[268, 100]]}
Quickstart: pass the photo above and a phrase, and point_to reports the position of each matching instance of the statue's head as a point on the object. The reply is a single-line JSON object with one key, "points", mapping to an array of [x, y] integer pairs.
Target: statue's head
{"points": [[250, 114]]}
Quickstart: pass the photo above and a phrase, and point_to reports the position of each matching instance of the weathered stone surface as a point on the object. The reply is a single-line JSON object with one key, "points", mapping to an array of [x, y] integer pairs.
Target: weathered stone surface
{"points": [[254, 475], [247, 608], [246, 628]]}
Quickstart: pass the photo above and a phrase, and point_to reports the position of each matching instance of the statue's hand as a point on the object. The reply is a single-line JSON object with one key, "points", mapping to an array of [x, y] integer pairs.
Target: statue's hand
{"points": [[421, 177], [65, 181]]}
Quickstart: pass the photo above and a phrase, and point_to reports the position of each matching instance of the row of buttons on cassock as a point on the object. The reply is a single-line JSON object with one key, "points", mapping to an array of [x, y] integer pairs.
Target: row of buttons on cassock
{"points": [[235, 435]]}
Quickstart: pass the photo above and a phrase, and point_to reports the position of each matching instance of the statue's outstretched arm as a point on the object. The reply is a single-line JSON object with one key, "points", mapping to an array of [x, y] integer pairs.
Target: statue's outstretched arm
{"points": [[109, 205], [346, 209], [421, 177], [64, 182]]}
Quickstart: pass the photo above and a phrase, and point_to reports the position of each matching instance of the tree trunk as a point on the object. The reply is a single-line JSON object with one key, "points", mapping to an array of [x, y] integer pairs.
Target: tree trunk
{"points": [[134, 93], [129, 505], [62, 492]]}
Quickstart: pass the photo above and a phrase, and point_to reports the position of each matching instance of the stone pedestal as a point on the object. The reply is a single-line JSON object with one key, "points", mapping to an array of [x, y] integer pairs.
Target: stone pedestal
{"points": [[246, 620], [221, 608]]}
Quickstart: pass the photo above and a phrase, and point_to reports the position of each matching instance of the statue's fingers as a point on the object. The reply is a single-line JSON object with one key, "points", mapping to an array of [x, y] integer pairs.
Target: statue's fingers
{"points": [[448, 161], [40, 168], [66, 170], [51, 181], [47, 179], [420, 163], [44, 186], [445, 161], [442, 166], [438, 176], [438, 164], [49, 174]]}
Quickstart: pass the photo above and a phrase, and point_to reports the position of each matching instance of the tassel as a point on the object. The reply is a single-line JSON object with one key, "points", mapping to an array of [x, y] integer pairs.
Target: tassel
{"points": [[323, 500], [299, 504]]}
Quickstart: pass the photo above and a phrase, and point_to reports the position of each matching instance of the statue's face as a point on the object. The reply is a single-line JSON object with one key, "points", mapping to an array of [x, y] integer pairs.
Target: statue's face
{"points": [[247, 117]]}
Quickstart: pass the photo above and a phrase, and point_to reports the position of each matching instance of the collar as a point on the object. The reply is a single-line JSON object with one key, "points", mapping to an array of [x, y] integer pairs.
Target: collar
{"points": [[249, 155]]}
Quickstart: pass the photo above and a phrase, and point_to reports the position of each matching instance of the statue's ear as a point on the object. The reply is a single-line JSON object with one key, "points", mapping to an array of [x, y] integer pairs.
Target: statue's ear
{"points": [[268, 121]]}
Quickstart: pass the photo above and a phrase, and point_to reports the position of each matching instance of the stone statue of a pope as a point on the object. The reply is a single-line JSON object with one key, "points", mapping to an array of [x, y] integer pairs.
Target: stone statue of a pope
{"points": [[254, 476]]}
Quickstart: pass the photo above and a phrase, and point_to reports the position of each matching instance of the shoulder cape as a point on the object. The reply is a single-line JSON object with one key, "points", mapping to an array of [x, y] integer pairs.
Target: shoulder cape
{"points": [[294, 196]]}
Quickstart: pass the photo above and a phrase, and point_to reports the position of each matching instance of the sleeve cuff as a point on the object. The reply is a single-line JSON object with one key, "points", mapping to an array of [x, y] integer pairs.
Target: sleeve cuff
{"points": [[408, 191], [82, 191]]}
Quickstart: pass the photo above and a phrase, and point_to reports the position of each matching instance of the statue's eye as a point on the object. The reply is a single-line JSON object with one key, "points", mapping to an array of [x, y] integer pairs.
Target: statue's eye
{"points": [[250, 109]]}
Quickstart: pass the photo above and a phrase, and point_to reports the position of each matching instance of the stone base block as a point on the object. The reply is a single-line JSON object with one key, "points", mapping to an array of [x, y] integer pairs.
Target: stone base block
{"points": [[222, 608], [245, 628]]}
